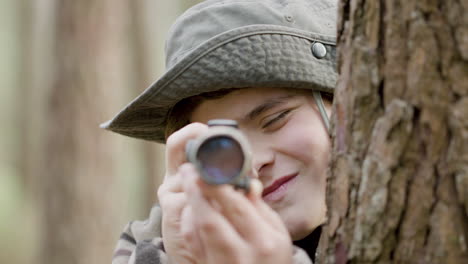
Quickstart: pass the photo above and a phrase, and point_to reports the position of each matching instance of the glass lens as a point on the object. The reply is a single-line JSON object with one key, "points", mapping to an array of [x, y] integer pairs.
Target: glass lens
{"points": [[221, 158]]}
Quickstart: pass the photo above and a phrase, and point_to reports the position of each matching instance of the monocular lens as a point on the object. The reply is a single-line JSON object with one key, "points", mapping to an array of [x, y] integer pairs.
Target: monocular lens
{"points": [[221, 158]]}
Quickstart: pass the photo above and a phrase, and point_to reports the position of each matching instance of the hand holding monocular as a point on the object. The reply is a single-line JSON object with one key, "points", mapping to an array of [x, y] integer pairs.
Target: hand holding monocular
{"points": [[222, 155]]}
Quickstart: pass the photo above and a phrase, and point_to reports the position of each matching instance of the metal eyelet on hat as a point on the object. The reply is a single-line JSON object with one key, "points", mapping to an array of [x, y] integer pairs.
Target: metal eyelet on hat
{"points": [[318, 50], [289, 18]]}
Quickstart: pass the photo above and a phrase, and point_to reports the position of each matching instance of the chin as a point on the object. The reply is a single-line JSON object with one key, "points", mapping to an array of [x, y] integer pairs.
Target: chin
{"points": [[299, 234], [298, 229]]}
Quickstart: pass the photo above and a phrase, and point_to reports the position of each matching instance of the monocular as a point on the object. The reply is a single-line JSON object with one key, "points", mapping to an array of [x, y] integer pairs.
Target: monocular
{"points": [[222, 155]]}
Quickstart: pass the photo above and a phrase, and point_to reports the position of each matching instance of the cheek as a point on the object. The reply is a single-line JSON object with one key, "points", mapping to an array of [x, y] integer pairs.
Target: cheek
{"points": [[307, 143]]}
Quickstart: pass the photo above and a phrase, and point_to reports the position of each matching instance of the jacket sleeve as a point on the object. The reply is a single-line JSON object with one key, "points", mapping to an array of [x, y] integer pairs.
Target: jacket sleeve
{"points": [[141, 243]]}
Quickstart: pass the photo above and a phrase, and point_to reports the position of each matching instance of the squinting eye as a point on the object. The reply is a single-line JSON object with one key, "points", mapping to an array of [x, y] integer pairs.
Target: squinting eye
{"points": [[276, 118]]}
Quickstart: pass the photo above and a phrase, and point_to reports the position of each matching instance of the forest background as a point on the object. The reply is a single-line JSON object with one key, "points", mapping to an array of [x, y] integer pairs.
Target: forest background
{"points": [[67, 187]]}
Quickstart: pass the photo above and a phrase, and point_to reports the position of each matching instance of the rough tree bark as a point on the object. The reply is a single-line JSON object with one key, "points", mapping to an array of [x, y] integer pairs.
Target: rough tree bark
{"points": [[79, 199], [398, 187]]}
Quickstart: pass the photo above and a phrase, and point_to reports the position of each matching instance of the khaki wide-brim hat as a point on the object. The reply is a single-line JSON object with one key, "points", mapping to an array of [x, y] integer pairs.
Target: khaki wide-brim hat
{"points": [[237, 44]]}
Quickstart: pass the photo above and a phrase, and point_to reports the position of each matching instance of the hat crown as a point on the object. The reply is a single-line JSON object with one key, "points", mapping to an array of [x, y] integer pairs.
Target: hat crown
{"points": [[212, 18]]}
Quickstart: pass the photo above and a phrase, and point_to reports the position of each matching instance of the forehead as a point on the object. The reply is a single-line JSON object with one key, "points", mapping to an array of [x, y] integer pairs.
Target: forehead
{"points": [[237, 104]]}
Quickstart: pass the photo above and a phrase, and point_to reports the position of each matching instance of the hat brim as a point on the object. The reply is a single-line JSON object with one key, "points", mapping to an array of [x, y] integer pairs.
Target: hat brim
{"points": [[252, 56]]}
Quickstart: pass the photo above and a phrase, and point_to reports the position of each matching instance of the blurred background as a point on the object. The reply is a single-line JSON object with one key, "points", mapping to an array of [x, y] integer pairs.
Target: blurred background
{"points": [[67, 187]]}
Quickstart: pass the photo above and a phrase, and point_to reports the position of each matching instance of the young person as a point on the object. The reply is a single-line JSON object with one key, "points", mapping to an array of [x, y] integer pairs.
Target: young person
{"points": [[269, 65]]}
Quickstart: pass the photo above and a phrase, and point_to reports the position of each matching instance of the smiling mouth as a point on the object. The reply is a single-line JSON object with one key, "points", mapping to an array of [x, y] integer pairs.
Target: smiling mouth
{"points": [[277, 190]]}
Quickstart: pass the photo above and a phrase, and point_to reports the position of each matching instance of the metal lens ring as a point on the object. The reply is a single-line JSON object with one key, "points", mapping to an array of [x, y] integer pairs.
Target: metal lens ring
{"points": [[222, 155], [220, 159]]}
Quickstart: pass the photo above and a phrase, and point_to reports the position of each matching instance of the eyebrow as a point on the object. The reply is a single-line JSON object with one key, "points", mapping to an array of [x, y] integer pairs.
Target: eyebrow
{"points": [[267, 105]]}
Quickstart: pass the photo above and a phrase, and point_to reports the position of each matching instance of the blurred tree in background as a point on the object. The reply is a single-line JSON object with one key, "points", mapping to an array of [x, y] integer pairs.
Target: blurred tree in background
{"points": [[67, 187]]}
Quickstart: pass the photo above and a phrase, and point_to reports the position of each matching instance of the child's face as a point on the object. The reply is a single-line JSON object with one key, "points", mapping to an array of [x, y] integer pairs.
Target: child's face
{"points": [[290, 148]]}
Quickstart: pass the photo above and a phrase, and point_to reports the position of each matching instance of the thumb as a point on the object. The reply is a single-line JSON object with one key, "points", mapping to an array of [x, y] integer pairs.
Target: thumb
{"points": [[255, 195], [255, 190]]}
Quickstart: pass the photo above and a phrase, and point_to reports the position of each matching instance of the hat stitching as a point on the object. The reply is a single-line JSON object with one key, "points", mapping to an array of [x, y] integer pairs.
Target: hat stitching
{"points": [[181, 83], [203, 53], [320, 37]]}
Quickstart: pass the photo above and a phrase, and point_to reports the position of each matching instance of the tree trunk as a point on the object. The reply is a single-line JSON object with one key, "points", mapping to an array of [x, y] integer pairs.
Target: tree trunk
{"points": [[142, 13], [25, 155], [79, 198], [148, 60], [398, 187]]}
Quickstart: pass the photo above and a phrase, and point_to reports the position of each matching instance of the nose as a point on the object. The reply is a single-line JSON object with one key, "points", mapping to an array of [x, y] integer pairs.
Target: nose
{"points": [[262, 156]]}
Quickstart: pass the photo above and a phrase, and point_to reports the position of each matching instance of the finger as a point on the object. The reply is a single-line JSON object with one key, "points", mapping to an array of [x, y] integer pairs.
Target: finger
{"points": [[172, 184], [255, 196], [175, 145], [190, 233], [255, 189], [171, 194], [237, 209], [269, 215], [172, 204], [214, 230]]}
